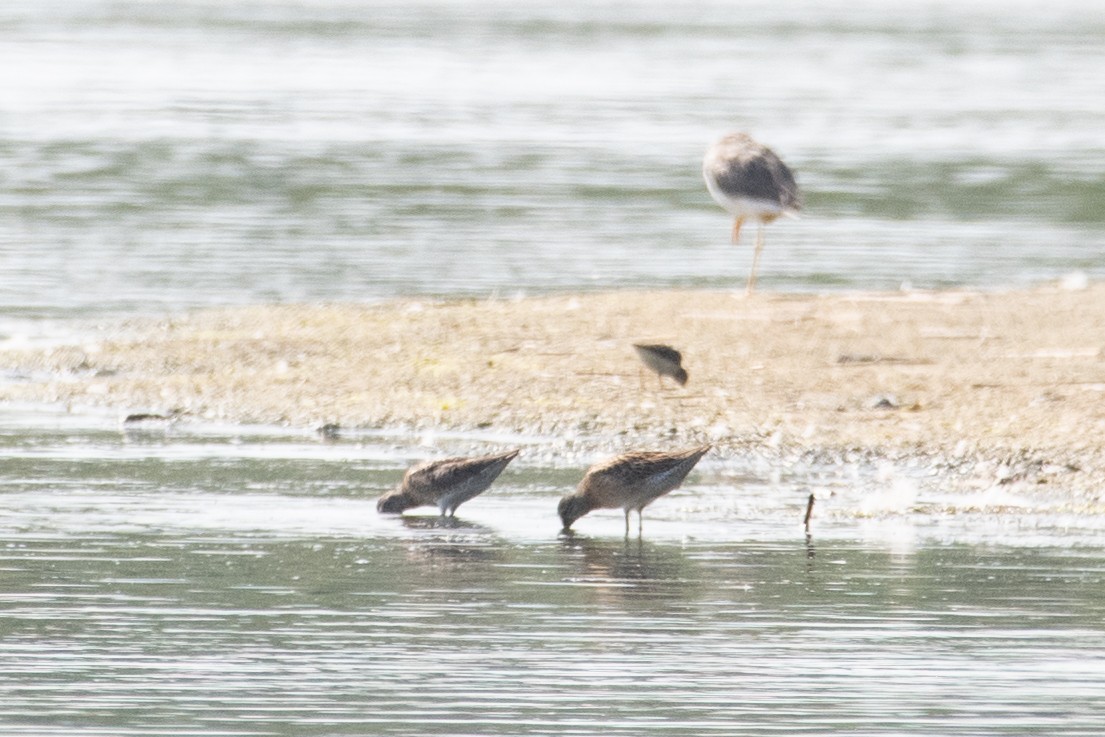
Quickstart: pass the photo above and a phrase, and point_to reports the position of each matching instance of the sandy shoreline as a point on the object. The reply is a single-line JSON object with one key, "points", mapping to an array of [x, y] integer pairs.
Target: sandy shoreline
{"points": [[1015, 378]]}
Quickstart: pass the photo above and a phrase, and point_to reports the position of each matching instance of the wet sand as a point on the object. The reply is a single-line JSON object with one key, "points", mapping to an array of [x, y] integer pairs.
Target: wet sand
{"points": [[1012, 380]]}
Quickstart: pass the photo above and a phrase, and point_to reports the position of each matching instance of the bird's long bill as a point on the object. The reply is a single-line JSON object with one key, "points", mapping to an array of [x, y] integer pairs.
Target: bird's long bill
{"points": [[737, 229]]}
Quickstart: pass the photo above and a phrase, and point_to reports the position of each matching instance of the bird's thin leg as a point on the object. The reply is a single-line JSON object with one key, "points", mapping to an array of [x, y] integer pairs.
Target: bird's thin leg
{"points": [[756, 258], [640, 522], [737, 229], [627, 523]]}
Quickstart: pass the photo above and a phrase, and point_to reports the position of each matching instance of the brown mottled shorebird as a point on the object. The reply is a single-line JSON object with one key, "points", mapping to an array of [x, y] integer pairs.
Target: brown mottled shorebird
{"points": [[664, 360], [752, 183], [447, 483], [631, 481]]}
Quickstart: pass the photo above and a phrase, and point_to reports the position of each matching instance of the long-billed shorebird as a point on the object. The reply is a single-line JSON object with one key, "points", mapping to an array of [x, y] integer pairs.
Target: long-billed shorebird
{"points": [[447, 483], [752, 183], [631, 482], [664, 360]]}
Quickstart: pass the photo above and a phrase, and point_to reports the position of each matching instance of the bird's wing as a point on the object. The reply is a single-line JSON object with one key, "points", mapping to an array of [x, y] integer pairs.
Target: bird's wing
{"points": [[763, 177], [663, 351]]}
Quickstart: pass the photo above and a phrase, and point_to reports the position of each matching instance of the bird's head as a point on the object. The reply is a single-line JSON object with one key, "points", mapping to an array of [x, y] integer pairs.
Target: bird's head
{"points": [[680, 375], [394, 502], [571, 508]]}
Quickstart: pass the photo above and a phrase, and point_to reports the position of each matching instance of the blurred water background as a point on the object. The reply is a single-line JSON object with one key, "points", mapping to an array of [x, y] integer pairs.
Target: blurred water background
{"points": [[166, 155]]}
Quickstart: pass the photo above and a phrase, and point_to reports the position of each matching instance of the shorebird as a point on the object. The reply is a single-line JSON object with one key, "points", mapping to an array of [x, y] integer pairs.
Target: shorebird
{"points": [[447, 483], [752, 183], [664, 360], [631, 481]]}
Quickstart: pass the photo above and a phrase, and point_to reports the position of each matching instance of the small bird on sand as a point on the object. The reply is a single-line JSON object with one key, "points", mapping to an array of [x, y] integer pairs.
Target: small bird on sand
{"points": [[752, 183], [631, 481], [664, 360], [447, 483]]}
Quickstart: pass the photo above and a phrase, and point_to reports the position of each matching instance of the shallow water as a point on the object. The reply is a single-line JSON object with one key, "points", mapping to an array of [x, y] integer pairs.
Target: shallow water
{"points": [[238, 581], [167, 156]]}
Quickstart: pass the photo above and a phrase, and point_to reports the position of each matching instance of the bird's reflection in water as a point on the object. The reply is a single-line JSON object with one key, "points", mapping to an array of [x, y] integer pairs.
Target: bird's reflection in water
{"points": [[451, 541], [629, 569], [441, 522]]}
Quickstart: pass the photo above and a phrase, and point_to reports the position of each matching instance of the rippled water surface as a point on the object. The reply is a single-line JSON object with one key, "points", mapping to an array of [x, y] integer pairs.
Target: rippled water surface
{"points": [[238, 581], [166, 155]]}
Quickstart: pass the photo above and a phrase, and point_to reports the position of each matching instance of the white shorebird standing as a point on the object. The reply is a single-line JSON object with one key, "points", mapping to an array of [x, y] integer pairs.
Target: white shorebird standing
{"points": [[752, 183]]}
